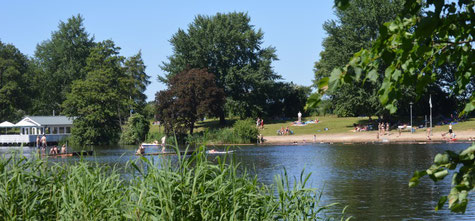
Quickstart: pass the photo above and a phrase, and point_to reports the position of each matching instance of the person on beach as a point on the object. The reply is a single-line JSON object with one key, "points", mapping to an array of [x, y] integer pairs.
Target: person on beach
{"points": [[450, 128], [258, 122], [63, 148], [262, 123], [287, 130], [387, 127], [141, 150], [428, 133]]}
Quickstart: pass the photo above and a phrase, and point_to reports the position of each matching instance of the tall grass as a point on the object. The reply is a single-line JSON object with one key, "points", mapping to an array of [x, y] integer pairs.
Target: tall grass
{"points": [[189, 188]]}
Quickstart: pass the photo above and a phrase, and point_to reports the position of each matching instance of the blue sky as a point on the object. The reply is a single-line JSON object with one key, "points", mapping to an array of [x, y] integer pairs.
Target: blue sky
{"points": [[293, 27]]}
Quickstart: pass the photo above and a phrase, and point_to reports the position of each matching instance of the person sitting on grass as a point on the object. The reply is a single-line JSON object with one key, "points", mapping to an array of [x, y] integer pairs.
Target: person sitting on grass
{"points": [[287, 130]]}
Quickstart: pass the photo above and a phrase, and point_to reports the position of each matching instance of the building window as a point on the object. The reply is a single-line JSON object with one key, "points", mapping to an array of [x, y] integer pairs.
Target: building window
{"points": [[55, 130], [68, 130], [47, 130], [61, 130]]}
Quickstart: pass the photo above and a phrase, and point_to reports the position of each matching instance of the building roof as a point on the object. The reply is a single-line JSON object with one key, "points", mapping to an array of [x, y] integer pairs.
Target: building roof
{"points": [[51, 120], [26, 123], [6, 124]]}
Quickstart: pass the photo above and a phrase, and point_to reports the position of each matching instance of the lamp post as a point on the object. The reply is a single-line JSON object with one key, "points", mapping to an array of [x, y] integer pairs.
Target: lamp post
{"points": [[412, 130]]}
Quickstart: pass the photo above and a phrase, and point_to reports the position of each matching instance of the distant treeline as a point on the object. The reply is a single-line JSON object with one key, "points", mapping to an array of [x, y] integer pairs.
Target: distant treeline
{"points": [[72, 74]]}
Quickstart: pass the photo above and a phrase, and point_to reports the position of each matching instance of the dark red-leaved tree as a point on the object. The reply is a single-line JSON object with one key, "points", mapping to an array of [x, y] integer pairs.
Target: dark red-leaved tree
{"points": [[191, 95]]}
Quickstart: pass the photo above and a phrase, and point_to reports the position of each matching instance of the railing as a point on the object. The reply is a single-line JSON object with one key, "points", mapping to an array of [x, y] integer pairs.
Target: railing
{"points": [[23, 138]]}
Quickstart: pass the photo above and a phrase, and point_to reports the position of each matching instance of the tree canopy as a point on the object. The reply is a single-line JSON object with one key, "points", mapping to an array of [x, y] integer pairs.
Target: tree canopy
{"points": [[14, 90], [60, 61], [228, 46], [192, 95], [416, 47], [356, 27], [101, 101]]}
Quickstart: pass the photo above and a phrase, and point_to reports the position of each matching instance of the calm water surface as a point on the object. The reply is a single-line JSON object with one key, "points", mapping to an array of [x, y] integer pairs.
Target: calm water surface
{"points": [[371, 178]]}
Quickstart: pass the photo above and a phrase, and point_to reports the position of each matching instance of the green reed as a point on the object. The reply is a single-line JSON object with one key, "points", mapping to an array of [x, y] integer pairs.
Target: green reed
{"points": [[187, 188]]}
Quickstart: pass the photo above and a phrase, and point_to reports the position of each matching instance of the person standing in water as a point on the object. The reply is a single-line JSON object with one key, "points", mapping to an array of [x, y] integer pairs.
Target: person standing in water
{"points": [[141, 150], [164, 142], [43, 142], [38, 142]]}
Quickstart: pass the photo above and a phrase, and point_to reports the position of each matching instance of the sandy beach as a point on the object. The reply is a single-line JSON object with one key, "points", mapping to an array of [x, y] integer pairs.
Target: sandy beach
{"points": [[365, 137]]}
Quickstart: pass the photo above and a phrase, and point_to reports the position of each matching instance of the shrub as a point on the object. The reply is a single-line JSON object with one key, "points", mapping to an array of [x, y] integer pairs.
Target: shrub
{"points": [[246, 130], [135, 130]]}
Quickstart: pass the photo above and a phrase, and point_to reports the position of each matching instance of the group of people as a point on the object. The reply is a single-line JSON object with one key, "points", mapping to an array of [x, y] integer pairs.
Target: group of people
{"points": [[41, 144], [383, 128], [260, 123], [54, 150], [451, 132], [285, 131], [359, 127]]}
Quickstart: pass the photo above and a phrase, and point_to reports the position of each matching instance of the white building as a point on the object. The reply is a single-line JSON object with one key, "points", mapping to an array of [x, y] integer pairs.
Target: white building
{"points": [[54, 128]]}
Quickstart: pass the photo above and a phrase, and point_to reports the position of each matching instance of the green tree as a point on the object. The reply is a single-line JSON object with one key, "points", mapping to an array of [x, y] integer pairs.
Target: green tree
{"points": [[14, 87], [135, 68], [286, 99], [416, 46], [355, 28], [100, 101], [228, 46], [135, 130], [192, 95], [61, 60]]}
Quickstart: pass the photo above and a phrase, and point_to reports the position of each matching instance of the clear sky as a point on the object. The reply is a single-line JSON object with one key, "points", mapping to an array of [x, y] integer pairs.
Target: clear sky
{"points": [[293, 27]]}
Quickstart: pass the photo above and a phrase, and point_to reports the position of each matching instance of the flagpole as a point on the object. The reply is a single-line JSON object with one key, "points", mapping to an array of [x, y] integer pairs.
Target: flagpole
{"points": [[430, 101]]}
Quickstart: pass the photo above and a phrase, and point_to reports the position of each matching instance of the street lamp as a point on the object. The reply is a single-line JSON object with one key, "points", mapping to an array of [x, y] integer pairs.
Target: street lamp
{"points": [[412, 130]]}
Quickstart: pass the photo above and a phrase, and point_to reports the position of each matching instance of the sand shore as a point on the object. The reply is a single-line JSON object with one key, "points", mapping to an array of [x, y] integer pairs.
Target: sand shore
{"points": [[365, 137]]}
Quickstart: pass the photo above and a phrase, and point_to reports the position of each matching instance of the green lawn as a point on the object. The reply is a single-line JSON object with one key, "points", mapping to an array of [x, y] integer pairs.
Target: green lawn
{"points": [[333, 123]]}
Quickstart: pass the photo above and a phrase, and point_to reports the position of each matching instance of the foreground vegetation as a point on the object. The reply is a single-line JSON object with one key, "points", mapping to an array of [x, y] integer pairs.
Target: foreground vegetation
{"points": [[192, 188]]}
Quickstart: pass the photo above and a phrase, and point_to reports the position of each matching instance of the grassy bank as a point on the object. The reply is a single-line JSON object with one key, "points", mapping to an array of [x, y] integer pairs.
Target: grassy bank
{"points": [[333, 123], [190, 189]]}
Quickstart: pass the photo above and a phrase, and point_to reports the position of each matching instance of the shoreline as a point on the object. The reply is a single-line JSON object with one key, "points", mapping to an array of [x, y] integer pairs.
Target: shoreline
{"points": [[369, 137]]}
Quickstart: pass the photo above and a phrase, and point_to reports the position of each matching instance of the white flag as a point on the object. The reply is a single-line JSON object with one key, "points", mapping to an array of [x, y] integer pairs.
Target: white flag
{"points": [[430, 101]]}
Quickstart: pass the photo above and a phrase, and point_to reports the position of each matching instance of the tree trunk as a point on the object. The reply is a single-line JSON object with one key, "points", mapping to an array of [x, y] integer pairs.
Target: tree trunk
{"points": [[191, 127], [222, 120]]}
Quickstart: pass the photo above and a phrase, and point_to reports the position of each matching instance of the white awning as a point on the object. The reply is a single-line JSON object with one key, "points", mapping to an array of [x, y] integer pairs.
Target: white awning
{"points": [[7, 124]]}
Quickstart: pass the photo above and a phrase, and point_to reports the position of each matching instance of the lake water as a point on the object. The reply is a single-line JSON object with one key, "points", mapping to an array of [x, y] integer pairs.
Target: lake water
{"points": [[371, 178]]}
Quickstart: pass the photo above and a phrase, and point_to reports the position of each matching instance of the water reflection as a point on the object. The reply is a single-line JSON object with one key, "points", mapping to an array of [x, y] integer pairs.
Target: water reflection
{"points": [[371, 178]]}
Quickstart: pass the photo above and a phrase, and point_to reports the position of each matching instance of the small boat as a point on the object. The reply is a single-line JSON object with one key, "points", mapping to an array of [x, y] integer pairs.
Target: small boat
{"points": [[73, 154]]}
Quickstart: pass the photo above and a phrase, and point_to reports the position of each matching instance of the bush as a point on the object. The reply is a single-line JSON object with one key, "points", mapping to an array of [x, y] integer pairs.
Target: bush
{"points": [[135, 130], [246, 130]]}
